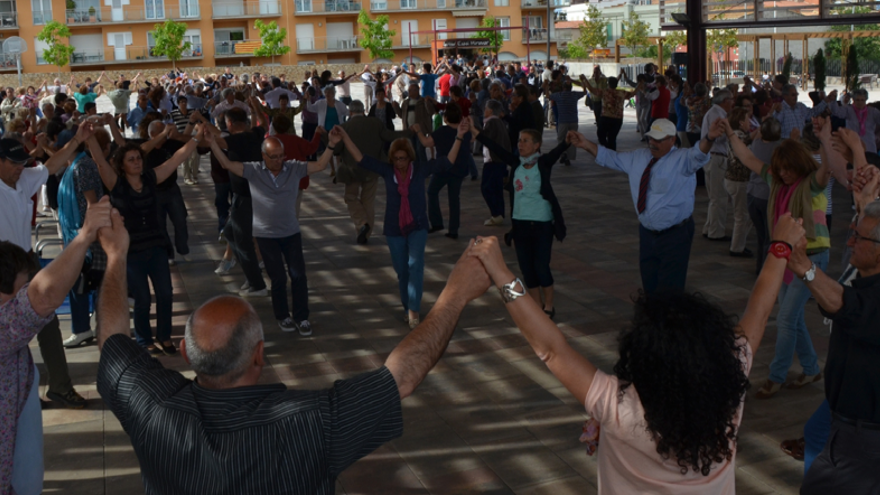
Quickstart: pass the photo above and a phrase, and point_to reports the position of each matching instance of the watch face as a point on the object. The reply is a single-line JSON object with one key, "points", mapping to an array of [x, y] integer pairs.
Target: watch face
{"points": [[779, 249]]}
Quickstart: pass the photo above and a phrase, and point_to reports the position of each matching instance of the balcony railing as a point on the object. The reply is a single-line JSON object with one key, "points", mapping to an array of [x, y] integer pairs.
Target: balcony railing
{"points": [[327, 7], [540, 35], [129, 54], [403, 5], [7, 62], [236, 48], [328, 44], [262, 8], [542, 4], [416, 41], [41, 16], [8, 20], [106, 15]]}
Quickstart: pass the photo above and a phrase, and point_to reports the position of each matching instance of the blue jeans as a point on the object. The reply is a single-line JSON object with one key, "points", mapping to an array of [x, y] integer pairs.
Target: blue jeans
{"points": [[80, 311], [453, 189], [492, 187], [816, 433], [222, 195], [408, 258], [27, 460], [152, 263], [276, 253], [792, 335]]}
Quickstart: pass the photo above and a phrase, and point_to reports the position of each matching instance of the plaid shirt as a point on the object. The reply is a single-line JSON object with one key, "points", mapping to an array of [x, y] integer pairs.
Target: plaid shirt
{"points": [[797, 116]]}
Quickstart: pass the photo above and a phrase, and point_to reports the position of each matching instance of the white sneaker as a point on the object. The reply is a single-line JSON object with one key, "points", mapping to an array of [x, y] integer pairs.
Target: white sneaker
{"points": [[287, 324], [171, 262], [225, 266], [305, 328], [253, 292], [246, 285], [262, 266], [78, 339], [494, 221]]}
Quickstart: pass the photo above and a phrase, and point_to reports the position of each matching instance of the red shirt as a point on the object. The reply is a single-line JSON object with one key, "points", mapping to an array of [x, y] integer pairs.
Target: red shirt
{"points": [[297, 148], [660, 108], [444, 84]]}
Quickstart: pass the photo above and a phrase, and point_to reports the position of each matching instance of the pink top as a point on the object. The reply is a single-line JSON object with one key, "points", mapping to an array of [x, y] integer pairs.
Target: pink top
{"points": [[628, 458]]}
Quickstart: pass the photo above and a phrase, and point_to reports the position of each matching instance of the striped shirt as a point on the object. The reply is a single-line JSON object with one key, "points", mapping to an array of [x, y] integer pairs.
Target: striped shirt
{"points": [[797, 116], [259, 439], [566, 105]]}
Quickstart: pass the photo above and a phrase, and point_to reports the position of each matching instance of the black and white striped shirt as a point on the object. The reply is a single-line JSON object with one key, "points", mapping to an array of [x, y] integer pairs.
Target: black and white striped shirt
{"points": [[257, 440]]}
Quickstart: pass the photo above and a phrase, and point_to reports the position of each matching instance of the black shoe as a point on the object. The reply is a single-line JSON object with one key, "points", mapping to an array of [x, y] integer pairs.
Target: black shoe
{"points": [[508, 239], [70, 400], [745, 253], [473, 177], [168, 350], [451, 235], [724, 238], [435, 229], [551, 313], [362, 233]]}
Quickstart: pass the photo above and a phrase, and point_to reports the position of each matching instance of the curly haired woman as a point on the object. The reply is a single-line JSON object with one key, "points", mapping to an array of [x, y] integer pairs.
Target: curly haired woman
{"points": [[669, 419]]}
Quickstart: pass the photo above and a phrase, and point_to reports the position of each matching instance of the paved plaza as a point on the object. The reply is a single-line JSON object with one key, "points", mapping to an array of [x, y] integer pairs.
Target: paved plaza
{"points": [[490, 418]]}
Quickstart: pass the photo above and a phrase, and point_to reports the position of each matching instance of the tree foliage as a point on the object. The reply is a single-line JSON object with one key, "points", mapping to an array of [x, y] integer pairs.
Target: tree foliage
{"points": [[819, 69], [868, 48], [496, 38], [673, 40], [720, 41], [786, 67], [58, 53], [375, 35], [593, 34], [635, 33], [169, 41], [851, 70], [271, 40]]}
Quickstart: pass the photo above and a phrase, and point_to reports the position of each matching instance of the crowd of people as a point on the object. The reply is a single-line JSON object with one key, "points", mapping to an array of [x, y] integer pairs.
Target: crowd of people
{"points": [[112, 181]]}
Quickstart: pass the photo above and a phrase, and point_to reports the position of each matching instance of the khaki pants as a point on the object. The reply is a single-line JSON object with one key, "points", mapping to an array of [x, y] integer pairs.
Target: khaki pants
{"points": [[741, 221], [717, 213], [191, 167], [360, 197]]}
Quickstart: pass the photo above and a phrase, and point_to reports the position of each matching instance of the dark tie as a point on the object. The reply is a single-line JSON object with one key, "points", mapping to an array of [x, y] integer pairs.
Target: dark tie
{"points": [[643, 186]]}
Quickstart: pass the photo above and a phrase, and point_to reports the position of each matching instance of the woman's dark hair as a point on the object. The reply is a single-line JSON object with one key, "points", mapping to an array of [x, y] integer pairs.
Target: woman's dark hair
{"points": [[612, 83], [117, 159], [522, 91], [144, 125], [282, 124], [13, 260], [456, 91], [684, 357], [453, 113], [325, 77]]}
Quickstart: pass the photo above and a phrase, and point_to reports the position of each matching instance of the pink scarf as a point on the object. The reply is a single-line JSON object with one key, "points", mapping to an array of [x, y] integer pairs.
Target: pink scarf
{"points": [[404, 216], [782, 200], [862, 115]]}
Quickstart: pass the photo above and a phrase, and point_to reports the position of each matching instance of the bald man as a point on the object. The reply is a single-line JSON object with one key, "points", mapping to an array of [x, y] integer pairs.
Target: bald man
{"points": [[274, 185], [224, 433]]}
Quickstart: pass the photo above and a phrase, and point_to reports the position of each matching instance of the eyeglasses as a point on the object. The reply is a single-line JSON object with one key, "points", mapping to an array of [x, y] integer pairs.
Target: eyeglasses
{"points": [[859, 237], [401, 158], [275, 157]]}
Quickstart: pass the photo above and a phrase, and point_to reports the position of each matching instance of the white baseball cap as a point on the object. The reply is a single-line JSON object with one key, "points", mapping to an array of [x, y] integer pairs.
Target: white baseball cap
{"points": [[661, 129]]}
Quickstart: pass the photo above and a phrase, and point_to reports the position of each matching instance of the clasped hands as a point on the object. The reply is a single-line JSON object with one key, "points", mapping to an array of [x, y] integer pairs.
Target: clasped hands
{"points": [[481, 265], [105, 224]]}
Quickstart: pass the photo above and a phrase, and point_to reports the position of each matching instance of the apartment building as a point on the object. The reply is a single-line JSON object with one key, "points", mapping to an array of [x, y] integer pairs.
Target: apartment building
{"points": [[114, 35]]}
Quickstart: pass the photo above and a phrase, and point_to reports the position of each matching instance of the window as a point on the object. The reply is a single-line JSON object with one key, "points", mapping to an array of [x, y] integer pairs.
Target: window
{"points": [[155, 9], [502, 3], [408, 4], [42, 11], [440, 24], [194, 37], [39, 46], [378, 5], [533, 23], [504, 22]]}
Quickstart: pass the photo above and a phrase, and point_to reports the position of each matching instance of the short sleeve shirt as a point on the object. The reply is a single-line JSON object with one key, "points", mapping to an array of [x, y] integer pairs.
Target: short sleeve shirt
{"points": [[120, 98], [628, 459], [258, 439], [82, 99], [140, 211], [16, 206], [274, 197], [428, 81]]}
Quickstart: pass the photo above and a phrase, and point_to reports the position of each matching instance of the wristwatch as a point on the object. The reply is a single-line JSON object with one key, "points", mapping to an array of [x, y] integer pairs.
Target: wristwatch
{"points": [[810, 274], [508, 294]]}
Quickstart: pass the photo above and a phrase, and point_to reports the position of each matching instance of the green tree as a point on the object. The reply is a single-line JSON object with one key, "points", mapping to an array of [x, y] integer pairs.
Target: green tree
{"points": [[673, 40], [819, 69], [272, 40], [375, 35], [868, 48], [593, 35], [58, 53], [169, 41], [851, 70], [635, 33], [720, 41], [786, 67], [496, 38]]}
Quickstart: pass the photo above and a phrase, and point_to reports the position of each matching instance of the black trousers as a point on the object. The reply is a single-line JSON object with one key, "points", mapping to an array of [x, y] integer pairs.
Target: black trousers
{"points": [[171, 205], [533, 242], [664, 256], [240, 235], [607, 132], [276, 253], [848, 463]]}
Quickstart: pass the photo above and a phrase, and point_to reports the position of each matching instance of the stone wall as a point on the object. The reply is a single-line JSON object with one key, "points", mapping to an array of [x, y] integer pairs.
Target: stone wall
{"points": [[292, 73]]}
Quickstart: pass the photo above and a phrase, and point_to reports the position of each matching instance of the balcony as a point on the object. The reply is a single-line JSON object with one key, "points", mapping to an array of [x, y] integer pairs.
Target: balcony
{"points": [[328, 44], [232, 10], [415, 41], [7, 63], [542, 4], [126, 55], [540, 35], [408, 5], [8, 20], [235, 48], [327, 7], [107, 15]]}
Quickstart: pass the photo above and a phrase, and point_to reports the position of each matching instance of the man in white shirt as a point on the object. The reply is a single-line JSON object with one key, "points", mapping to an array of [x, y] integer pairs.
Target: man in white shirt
{"points": [[272, 96], [228, 102], [17, 186]]}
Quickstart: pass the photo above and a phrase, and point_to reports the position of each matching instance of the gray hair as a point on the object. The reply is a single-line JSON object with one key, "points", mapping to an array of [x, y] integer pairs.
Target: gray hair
{"points": [[721, 96], [230, 361], [788, 87], [156, 128], [244, 78], [495, 107], [356, 107], [873, 211], [860, 92], [265, 145], [226, 92]]}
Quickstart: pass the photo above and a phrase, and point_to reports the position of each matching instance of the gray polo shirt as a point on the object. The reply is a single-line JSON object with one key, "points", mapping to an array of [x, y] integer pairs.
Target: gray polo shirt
{"points": [[274, 198]]}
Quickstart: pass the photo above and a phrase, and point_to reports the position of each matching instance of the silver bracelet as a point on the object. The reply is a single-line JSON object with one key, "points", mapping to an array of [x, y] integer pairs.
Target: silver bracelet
{"points": [[509, 295]]}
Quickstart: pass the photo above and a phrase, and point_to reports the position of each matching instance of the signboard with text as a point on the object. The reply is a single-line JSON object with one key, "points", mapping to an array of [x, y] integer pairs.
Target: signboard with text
{"points": [[467, 43]]}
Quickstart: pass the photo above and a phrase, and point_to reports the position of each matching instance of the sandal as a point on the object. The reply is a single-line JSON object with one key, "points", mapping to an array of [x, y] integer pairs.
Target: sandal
{"points": [[794, 448], [769, 389], [803, 380], [551, 313]]}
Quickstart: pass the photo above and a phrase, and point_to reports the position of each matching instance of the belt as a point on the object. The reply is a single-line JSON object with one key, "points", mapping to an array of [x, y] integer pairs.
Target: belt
{"points": [[856, 422], [717, 154], [679, 224]]}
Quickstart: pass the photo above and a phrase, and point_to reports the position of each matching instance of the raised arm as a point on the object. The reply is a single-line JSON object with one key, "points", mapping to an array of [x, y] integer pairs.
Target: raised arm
{"points": [[108, 175], [763, 297], [414, 357], [61, 157], [236, 168], [579, 140], [113, 317], [166, 169], [745, 155], [333, 139]]}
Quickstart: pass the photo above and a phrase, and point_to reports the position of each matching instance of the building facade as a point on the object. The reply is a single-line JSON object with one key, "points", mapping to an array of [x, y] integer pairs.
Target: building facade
{"points": [[115, 34]]}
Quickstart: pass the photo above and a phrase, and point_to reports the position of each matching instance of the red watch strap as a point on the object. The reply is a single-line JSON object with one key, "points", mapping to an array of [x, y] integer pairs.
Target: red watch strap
{"points": [[780, 249]]}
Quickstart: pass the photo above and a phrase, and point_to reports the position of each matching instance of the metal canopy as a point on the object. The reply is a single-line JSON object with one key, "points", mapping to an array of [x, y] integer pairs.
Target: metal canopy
{"points": [[769, 13]]}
